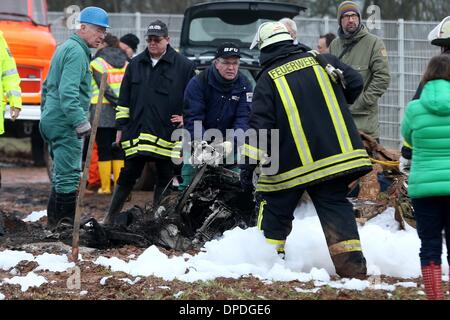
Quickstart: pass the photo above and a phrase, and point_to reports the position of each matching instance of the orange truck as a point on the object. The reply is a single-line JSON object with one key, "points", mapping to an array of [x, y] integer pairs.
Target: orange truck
{"points": [[27, 32]]}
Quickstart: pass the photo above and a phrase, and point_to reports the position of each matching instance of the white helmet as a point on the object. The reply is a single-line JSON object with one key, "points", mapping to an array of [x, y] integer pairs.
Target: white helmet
{"points": [[440, 36], [269, 33]]}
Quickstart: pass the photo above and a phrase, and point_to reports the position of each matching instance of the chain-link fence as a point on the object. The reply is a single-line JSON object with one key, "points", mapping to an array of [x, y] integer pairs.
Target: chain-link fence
{"points": [[406, 43]]}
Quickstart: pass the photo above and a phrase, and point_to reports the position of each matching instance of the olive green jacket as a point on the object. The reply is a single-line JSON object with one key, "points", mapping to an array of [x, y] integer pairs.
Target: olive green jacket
{"points": [[367, 54]]}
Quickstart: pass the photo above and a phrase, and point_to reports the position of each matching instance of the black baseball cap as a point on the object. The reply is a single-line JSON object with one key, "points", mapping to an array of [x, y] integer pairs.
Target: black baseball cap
{"points": [[157, 28], [228, 49]]}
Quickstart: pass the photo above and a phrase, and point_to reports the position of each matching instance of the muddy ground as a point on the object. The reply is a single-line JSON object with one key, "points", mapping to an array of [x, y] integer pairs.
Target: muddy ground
{"points": [[26, 188]]}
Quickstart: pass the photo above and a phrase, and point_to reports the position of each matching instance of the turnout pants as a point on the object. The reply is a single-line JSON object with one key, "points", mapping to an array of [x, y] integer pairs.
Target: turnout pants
{"points": [[276, 212], [133, 170]]}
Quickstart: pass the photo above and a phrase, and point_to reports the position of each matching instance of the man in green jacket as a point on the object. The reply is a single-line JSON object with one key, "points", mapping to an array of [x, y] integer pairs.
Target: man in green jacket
{"points": [[367, 54], [64, 110]]}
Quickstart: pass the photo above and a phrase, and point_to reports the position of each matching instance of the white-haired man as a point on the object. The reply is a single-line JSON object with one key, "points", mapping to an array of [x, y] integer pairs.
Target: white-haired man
{"points": [[291, 26], [66, 95]]}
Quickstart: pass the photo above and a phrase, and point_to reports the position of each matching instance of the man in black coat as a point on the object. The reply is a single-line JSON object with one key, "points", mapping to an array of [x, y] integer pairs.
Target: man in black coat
{"points": [[148, 111]]}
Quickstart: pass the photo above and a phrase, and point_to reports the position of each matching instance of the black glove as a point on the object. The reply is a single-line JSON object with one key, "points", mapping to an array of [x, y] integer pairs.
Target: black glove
{"points": [[83, 129], [246, 177]]}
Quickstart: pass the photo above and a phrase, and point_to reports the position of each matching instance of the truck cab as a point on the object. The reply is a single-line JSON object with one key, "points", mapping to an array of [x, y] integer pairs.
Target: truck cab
{"points": [[27, 32]]}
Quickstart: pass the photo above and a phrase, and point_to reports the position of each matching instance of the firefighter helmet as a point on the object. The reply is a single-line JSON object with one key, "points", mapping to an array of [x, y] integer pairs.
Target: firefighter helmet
{"points": [[440, 35], [269, 33]]}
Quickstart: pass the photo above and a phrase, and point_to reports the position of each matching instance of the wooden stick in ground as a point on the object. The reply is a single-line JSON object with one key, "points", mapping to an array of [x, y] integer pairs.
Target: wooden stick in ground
{"points": [[76, 223]]}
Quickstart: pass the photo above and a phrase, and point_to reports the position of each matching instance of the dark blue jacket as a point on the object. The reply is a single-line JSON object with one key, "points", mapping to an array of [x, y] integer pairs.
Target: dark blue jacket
{"points": [[206, 100]]}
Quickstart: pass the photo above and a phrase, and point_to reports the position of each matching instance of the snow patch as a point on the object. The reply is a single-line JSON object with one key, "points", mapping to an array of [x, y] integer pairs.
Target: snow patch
{"points": [[103, 280], [53, 262], [30, 280], [35, 216], [300, 290], [10, 258]]}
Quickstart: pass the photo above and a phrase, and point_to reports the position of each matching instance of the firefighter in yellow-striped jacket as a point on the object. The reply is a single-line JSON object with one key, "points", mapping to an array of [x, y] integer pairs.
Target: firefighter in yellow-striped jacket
{"points": [[10, 89], [148, 112], [112, 60], [319, 149]]}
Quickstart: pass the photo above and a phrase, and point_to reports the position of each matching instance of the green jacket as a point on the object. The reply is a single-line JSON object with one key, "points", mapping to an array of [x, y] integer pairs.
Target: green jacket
{"points": [[66, 91], [367, 55], [426, 127]]}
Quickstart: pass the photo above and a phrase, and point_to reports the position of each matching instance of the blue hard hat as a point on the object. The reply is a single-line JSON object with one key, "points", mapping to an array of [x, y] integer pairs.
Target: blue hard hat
{"points": [[94, 15]]}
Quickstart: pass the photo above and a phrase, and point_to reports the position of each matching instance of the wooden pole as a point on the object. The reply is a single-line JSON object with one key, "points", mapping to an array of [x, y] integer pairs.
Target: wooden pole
{"points": [[76, 223]]}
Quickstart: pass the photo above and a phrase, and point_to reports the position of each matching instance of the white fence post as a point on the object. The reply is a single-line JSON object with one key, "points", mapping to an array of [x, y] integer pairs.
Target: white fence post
{"points": [[137, 24], [326, 22], [401, 73]]}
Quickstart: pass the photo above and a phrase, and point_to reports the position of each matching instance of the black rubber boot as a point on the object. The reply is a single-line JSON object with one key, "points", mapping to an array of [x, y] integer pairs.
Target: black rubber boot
{"points": [[350, 265], [52, 219], [119, 197], [65, 206]]}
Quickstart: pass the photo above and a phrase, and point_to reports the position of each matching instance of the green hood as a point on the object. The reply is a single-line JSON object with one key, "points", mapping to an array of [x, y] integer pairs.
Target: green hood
{"points": [[436, 97]]}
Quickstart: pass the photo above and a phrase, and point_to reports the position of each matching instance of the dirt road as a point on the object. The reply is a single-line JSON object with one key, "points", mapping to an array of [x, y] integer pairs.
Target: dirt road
{"points": [[26, 189]]}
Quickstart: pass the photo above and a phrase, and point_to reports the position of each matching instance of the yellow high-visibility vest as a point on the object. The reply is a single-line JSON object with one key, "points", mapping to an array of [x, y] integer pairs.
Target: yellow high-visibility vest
{"points": [[10, 89], [114, 79]]}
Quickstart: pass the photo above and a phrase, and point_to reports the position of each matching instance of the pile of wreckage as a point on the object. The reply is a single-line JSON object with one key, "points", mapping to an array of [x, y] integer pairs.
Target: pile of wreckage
{"points": [[215, 202]]}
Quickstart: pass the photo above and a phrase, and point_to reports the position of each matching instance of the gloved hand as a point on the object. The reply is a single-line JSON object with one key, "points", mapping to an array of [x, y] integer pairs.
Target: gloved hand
{"points": [[203, 153], [83, 129], [14, 113], [405, 165], [224, 148], [246, 177]]}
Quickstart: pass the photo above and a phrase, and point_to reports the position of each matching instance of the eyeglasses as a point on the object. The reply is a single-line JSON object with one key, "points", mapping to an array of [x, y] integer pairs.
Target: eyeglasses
{"points": [[154, 39], [229, 63], [349, 16]]}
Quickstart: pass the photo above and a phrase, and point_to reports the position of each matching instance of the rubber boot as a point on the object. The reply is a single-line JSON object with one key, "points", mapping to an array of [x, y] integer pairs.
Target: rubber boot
{"points": [[350, 265], [52, 219], [432, 280], [104, 167], [117, 166], [121, 193], [65, 206]]}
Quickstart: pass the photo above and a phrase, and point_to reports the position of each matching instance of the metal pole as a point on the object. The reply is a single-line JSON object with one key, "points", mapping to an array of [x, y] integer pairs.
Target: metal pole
{"points": [[137, 25], [401, 73], [326, 21], [76, 223]]}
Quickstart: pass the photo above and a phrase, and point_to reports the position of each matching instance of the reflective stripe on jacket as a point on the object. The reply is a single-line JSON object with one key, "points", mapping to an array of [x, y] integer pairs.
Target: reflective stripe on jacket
{"points": [[114, 80]]}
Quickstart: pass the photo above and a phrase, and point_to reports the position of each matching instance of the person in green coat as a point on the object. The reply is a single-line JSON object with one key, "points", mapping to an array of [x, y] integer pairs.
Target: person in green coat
{"points": [[65, 104], [426, 127], [365, 53]]}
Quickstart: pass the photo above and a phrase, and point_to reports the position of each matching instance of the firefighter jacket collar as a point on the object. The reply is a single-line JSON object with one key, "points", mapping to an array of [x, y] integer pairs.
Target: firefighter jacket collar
{"points": [[279, 51], [82, 43]]}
